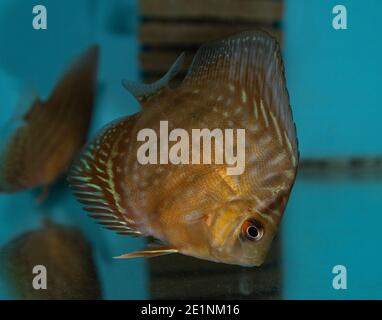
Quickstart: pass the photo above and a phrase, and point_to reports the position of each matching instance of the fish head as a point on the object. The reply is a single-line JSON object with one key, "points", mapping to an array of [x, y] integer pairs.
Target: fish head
{"points": [[240, 234]]}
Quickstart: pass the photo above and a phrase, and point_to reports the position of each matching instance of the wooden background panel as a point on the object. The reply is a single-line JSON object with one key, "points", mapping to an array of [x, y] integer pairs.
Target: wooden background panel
{"points": [[186, 34], [164, 41], [169, 27], [157, 61], [181, 277], [260, 10]]}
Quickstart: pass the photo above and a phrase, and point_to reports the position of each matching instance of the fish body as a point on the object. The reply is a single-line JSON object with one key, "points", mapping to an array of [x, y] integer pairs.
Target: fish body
{"points": [[53, 131], [63, 251], [199, 209]]}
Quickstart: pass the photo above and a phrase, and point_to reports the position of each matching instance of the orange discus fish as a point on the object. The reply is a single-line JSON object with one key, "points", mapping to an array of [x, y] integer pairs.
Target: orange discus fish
{"points": [[53, 131], [199, 208]]}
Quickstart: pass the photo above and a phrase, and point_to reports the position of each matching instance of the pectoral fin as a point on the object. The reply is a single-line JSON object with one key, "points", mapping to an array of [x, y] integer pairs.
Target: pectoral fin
{"points": [[148, 253]]}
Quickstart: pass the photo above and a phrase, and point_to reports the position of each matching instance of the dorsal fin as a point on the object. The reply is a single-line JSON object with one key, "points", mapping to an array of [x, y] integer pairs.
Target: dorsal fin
{"points": [[250, 60], [93, 178], [143, 91], [35, 109]]}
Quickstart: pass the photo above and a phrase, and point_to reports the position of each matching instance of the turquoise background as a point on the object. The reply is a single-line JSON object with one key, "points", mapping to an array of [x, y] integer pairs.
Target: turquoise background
{"points": [[334, 79]]}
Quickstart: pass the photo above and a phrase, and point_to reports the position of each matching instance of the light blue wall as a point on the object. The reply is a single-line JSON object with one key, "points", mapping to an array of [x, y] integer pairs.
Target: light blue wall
{"points": [[333, 223], [335, 77], [32, 61]]}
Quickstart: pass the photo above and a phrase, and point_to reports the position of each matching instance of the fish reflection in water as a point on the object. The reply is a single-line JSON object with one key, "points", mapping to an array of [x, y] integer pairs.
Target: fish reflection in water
{"points": [[198, 209], [67, 257], [52, 131]]}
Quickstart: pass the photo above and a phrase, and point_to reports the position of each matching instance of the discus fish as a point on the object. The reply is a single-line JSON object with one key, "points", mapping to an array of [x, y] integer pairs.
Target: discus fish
{"points": [[199, 209], [53, 131], [67, 257]]}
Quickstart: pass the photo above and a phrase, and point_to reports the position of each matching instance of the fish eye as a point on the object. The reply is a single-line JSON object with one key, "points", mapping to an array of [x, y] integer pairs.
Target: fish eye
{"points": [[252, 230]]}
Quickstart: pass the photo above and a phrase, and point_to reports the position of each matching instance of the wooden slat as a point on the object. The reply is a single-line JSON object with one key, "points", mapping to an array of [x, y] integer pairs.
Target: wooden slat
{"points": [[259, 10], [339, 170], [182, 277], [190, 34], [245, 284], [158, 62]]}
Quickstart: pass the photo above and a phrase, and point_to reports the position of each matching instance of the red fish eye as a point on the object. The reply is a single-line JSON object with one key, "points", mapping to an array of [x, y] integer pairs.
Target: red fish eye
{"points": [[252, 230]]}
